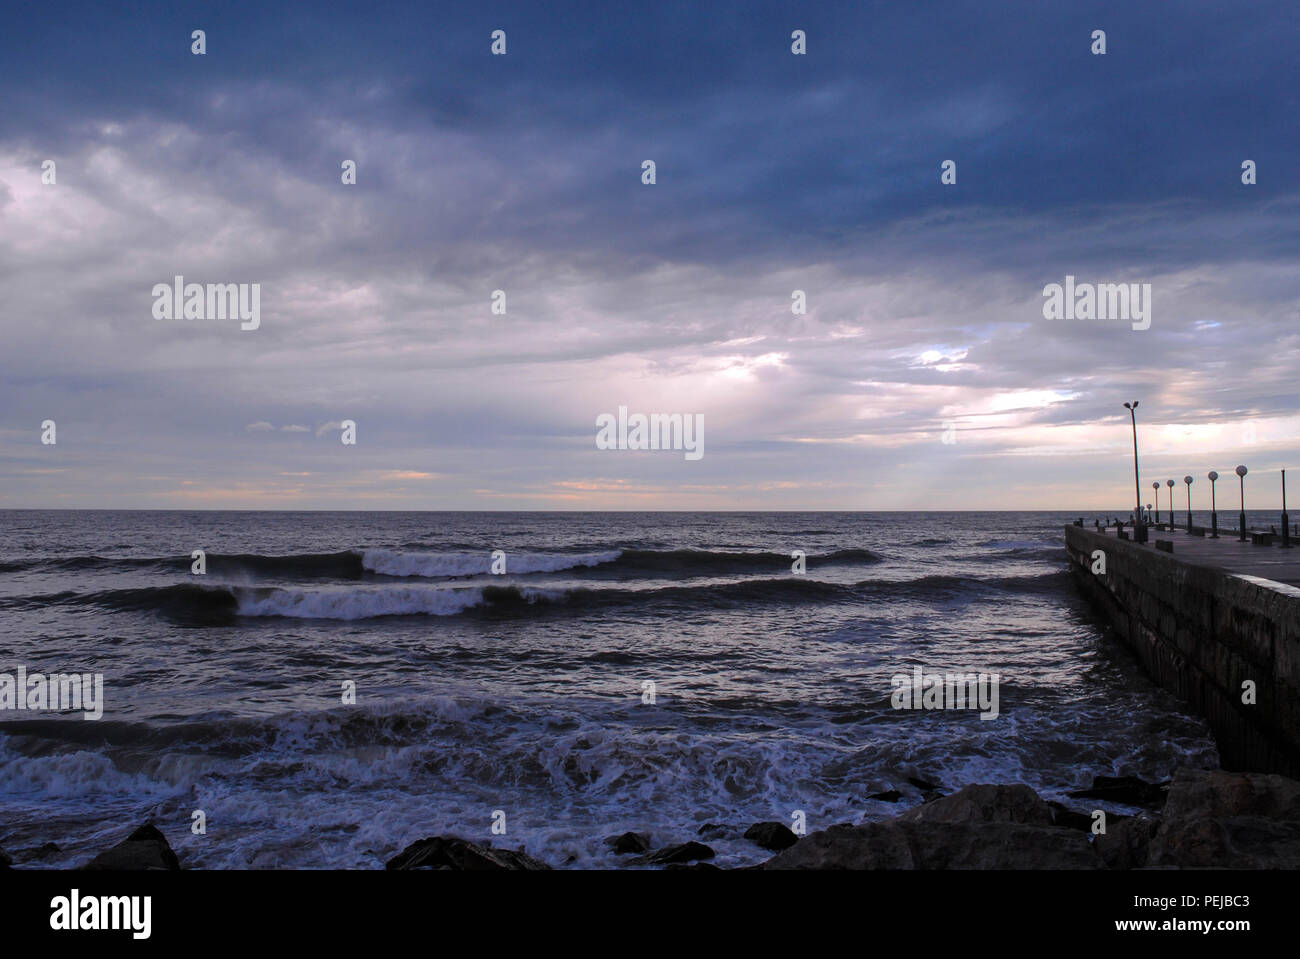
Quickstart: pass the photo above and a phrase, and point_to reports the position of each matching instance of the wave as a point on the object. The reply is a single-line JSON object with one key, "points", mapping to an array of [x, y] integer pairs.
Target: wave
{"points": [[686, 562], [354, 564], [195, 605], [388, 562]]}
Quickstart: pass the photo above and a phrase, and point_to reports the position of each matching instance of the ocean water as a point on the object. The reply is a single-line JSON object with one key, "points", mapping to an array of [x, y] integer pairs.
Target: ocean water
{"points": [[525, 693]]}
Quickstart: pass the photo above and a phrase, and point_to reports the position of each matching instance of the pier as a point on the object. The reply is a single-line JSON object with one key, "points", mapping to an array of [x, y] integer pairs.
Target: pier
{"points": [[1215, 621]]}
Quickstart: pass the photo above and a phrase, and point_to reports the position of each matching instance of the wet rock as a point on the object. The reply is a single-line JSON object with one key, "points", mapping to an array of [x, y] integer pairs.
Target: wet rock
{"points": [[628, 842], [979, 827], [1126, 843], [144, 849], [685, 852], [771, 835], [1223, 820], [1125, 790], [461, 855], [985, 804], [891, 795], [879, 845]]}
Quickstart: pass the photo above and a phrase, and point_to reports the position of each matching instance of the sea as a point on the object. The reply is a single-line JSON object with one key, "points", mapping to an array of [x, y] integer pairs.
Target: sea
{"points": [[318, 690]]}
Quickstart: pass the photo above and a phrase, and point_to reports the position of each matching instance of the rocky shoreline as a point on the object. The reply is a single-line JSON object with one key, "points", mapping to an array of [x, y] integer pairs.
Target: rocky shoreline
{"points": [[1201, 819]]}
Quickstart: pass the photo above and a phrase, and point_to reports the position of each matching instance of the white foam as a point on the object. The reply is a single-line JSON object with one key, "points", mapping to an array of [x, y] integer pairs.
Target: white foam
{"points": [[358, 602]]}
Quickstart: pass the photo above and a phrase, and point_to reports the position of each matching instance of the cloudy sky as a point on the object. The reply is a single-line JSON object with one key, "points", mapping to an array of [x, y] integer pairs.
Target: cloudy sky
{"points": [[523, 173]]}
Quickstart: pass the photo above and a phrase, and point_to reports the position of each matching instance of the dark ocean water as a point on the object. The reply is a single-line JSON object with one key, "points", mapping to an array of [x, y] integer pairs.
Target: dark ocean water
{"points": [[524, 692]]}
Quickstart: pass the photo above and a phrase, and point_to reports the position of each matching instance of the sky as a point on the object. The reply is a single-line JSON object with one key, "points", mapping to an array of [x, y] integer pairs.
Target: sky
{"points": [[923, 375]]}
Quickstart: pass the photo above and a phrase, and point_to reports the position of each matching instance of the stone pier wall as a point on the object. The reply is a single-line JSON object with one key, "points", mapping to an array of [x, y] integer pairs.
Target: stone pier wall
{"points": [[1201, 633]]}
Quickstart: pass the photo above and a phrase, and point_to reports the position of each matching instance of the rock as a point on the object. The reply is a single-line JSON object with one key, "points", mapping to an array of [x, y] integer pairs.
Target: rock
{"points": [[1126, 843], [1125, 790], [979, 827], [629, 842], [1222, 820], [714, 830], [922, 785], [891, 795], [771, 835], [878, 845], [461, 855], [985, 804], [1065, 816], [144, 849], [685, 852], [897, 844]]}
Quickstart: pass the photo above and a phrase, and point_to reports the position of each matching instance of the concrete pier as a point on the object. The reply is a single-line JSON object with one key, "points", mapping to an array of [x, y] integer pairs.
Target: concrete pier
{"points": [[1204, 620]]}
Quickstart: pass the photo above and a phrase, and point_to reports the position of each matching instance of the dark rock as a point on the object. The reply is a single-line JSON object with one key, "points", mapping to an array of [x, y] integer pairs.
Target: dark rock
{"points": [[1222, 820], [685, 852], [1126, 843], [940, 845], [891, 795], [771, 835], [922, 785], [979, 827], [985, 804], [144, 849], [629, 842], [1065, 816], [461, 855], [1125, 790]]}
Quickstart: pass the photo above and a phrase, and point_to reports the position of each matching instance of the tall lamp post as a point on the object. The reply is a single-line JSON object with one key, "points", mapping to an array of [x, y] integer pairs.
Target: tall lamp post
{"points": [[1241, 476], [1286, 520], [1156, 486], [1188, 481], [1148, 513], [1214, 512], [1171, 484], [1139, 529]]}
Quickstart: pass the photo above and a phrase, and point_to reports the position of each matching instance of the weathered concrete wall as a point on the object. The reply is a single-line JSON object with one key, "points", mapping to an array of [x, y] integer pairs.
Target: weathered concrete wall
{"points": [[1201, 633]]}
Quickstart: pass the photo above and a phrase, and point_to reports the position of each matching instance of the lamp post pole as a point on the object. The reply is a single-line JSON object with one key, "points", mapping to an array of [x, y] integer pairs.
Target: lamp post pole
{"points": [[1188, 481], [1214, 513], [1286, 520], [1139, 528], [1156, 486], [1241, 477]]}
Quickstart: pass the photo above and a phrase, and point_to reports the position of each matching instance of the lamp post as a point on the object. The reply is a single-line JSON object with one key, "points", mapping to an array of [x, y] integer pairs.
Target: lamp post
{"points": [[1148, 512], [1139, 529], [1156, 486], [1170, 484], [1188, 481], [1214, 513], [1286, 529], [1241, 477]]}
